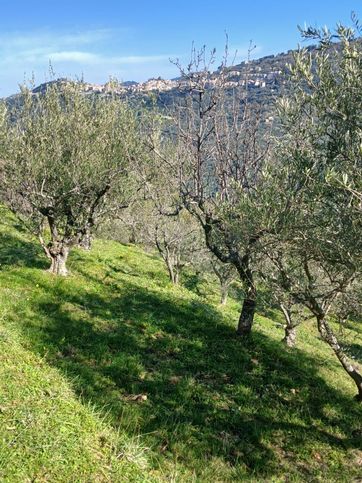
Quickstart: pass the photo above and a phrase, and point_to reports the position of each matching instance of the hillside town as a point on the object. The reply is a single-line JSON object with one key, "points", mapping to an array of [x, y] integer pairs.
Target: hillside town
{"points": [[235, 78]]}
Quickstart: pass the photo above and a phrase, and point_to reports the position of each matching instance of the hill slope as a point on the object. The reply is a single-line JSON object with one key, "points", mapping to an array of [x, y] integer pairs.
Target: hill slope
{"points": [[46, 433], [183, 399], [265, 78]]}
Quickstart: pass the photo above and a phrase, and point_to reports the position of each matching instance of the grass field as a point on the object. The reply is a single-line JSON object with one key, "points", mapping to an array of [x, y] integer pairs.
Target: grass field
{"points": [[112, 374]]}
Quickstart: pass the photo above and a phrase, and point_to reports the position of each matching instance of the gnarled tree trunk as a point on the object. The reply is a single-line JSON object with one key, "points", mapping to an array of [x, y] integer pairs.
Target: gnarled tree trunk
{"points": [[243, 267], [170, 256], [328, 336], [57, 250], [290, 335], [58, 255]]}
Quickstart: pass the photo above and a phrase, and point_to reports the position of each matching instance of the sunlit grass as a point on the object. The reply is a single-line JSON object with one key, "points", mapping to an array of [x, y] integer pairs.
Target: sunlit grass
{"points": [[183, 398]]}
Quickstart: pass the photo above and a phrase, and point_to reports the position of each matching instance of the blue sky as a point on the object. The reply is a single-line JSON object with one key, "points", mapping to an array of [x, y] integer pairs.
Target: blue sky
{"points": [[134, 39]]}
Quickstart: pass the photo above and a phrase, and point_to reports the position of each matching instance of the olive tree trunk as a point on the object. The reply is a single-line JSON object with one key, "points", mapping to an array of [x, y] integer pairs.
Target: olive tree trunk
{"points": [[243, 267], [172, 272], [86, 239], [246, 318], [290, 333], [329, 337], [57, 251], [59, 256]]}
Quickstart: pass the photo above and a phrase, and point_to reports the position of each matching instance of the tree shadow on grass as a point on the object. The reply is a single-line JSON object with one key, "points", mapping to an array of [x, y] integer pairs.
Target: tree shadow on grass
{"points": [[173, 369], [355, 350], [192, 281], [14, 251]]}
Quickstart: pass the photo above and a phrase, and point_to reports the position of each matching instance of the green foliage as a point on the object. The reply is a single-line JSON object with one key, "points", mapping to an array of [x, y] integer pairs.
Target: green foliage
{"points": [[69, 160], [323, 134], [319, 179], [316, 249]]}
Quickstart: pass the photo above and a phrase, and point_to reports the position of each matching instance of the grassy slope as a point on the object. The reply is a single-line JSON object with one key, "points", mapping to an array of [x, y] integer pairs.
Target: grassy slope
{"points": [[46, 433], [163, 363]]}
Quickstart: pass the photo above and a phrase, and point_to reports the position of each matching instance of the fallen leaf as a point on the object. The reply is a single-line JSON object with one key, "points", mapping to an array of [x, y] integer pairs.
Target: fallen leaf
{"points": [[138, 397], [175, 379]]}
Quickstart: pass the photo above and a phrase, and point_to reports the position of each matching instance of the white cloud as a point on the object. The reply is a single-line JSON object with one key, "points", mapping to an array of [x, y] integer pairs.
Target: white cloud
{"points": [[21, 40], [35, 48], [72, 56], [95, 54], [90, 58], [141, 59]]}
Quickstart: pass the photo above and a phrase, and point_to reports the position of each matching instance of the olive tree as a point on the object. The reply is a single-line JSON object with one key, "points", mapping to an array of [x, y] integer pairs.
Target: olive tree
{"points": [[293, 312], [177, 240], [317, 252], [218, 160], [68, 162], [312, 282]]}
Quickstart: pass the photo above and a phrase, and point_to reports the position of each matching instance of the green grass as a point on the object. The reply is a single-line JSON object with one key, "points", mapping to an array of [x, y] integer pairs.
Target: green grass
{"points": [[47, 434], [112, 374]]}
